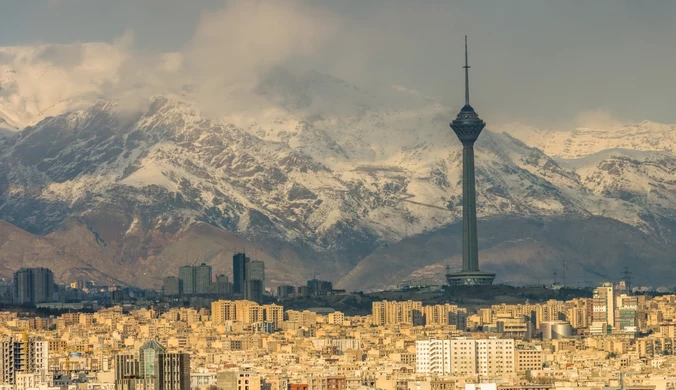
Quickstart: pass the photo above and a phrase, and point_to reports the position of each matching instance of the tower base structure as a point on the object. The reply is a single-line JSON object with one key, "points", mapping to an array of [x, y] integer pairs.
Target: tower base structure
{"points": [[470, 278]]}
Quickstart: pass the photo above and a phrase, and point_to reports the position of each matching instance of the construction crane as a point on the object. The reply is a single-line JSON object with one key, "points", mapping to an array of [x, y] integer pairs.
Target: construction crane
{"points": [[626, 277], [67, 362], [105, 351], [206, 256], [25, 350]]}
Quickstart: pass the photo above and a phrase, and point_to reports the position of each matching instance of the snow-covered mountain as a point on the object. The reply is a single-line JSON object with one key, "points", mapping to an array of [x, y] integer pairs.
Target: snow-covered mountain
{"points": [[585, 141], [315, 171]]}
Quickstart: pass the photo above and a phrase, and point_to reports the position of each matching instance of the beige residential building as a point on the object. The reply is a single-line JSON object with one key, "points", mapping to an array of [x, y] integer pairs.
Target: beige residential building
{"points": [[527, 359], [495, 356], [438, 314], [463, 357], [238, 380], [305, 318], [222, 311], [392, 312], [336, 318], [274, 314], [577, 313], [249, 312]]}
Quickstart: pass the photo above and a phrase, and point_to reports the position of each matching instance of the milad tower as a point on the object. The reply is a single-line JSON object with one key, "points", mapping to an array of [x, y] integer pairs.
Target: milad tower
{"points": [[467, 126]]}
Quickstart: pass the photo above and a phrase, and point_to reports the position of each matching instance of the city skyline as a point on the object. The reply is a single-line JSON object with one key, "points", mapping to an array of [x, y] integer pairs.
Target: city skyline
{"points": [[515, 345], [125, 159]]}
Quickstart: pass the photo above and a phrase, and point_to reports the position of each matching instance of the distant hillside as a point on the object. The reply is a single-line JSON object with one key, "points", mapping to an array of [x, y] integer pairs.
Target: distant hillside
{"points": [[524, 251]]}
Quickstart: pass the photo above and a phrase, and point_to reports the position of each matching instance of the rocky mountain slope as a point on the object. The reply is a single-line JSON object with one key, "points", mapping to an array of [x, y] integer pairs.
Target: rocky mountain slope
{"points": [[316, 175], [524, 251]]}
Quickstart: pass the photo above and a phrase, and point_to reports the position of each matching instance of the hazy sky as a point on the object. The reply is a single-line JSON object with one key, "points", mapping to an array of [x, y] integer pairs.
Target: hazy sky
{"points": [[547, 63]]}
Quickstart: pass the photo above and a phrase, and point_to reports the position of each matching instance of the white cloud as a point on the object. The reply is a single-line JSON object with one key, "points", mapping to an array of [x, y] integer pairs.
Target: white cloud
{"points": [[44, 80], [526, 65], [230, 50], [247, 38]]}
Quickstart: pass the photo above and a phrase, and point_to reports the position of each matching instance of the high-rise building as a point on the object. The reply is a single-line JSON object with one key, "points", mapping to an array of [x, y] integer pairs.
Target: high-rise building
{"points": [[433, 357], [254, 291], [187, 276], [467, 126], [604, 304], [246, 312], [285, 291], [126, 367], [254, 281], [255, 270], [27, 356], [195, 279], [148, 355], [626, 313], [319, 287], [223, 286], [273, 314], [173, 371], [202, 279], [239, 262], [249, 312], [33, 285], [495, 357], [576, 312], [127, 373], [222, 311], [172, 286], [440, 314], [465, 357], [552, 310]]}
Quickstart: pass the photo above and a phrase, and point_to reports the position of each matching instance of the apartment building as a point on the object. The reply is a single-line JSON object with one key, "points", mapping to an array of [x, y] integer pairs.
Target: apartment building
{"points": [[465, 357]]}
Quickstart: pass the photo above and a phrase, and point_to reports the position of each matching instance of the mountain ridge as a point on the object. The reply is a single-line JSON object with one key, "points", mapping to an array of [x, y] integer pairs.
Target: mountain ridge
{"points": [[319, 174]]}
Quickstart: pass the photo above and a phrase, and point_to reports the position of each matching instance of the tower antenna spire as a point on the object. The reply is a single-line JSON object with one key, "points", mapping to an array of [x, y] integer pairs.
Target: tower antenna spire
{"points": [[466, 75]]}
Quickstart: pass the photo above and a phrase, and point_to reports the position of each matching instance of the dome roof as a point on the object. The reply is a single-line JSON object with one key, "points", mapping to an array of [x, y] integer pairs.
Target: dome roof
{"points": [[466, 108]]}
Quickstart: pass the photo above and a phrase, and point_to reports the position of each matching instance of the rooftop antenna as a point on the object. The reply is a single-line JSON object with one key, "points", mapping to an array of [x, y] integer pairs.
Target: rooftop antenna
{"points": [[466, 75], [626, 276]]}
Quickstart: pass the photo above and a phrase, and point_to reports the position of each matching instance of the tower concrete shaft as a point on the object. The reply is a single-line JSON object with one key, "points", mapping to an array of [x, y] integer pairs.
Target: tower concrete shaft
{"points": [[470, 244]]}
